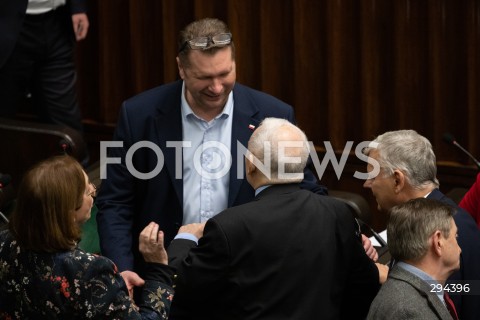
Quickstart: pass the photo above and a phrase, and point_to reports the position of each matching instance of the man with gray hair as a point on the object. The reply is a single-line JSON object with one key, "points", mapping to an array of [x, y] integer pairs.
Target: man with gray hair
{"points": [[288, 254], [402, 166], [422, 238]]}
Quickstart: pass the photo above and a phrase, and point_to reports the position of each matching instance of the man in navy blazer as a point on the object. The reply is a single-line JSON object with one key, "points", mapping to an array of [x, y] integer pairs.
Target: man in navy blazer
{"points": [[404, 169], [153, 124]]}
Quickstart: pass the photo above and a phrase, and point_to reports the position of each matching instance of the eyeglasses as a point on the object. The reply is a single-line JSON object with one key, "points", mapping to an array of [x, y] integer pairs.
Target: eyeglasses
{"points": [[202, 43]]}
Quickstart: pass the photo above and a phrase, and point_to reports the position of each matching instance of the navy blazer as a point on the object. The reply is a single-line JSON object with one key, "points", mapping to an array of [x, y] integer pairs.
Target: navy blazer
{"points": [[467, 306], [127, 204], [12, 13]]}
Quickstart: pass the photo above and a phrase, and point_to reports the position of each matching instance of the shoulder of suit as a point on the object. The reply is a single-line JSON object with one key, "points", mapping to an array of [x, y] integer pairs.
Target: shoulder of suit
{"points": [[240, 89], [156, 94], [401, 278]]}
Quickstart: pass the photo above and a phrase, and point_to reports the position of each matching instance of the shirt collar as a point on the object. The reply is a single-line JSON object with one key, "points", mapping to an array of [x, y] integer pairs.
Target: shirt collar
{"points": [[260, 189], [424, 276]]}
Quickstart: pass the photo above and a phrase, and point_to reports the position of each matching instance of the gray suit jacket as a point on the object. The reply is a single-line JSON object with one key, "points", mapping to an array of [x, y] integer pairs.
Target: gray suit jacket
{"points": [[406, 296]]}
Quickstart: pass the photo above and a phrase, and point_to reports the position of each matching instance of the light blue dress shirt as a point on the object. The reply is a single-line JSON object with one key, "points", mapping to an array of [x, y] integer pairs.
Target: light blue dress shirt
{"points": [[206, 163], [189, 236], [260, 189]]}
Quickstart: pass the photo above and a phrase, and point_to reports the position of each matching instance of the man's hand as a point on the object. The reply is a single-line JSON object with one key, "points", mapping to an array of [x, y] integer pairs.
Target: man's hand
{"points": [[382, 272], [132, 280], [151, 244], [369, 249], [80, 25], [194, 228]]}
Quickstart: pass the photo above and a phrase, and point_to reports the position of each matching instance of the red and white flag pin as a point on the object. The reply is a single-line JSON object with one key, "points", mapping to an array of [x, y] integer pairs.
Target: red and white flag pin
{"points": [[251, 127]]}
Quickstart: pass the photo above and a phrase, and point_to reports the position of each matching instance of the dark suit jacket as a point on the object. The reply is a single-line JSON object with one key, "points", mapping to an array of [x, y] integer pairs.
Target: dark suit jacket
{"points": [[404, 296], [289, 254], [12, 13], [126, 204], [468, 306]]}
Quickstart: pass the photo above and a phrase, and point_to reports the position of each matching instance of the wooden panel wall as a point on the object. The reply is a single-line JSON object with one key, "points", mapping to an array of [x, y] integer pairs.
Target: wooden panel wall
{"points": [[351, 69]]}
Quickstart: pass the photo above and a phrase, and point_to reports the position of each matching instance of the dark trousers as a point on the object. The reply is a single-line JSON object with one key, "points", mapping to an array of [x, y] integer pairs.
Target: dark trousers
{"points": [[41, 70]]}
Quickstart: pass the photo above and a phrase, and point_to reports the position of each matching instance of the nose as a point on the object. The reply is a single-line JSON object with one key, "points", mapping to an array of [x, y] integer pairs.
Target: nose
{"points": [[216, 86]]}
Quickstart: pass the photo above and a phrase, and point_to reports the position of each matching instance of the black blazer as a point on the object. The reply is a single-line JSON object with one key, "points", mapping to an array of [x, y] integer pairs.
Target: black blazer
{"points": [[127, 204], [467, 306], [12, 13], [289, 254]]}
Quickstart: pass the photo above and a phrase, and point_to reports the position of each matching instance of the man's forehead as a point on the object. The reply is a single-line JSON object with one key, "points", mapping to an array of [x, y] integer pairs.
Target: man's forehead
{"points": [[453, 224]]}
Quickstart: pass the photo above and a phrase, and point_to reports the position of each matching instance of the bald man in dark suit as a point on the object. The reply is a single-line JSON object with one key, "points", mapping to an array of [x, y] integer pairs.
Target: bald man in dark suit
{"points": [[288, 254]]}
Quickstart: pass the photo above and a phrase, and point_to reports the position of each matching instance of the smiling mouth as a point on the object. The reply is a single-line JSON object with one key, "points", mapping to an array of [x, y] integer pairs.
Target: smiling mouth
{"points": [[213, 98]]}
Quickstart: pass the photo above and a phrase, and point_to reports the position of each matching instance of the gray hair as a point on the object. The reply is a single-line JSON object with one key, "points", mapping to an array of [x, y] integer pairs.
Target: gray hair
{"points": [[272, 130], [412, 223], [410, 152], [206, 27]]}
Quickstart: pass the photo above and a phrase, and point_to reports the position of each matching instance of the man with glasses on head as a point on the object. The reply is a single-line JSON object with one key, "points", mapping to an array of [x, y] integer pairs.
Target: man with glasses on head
{"points": [[195, 123]]}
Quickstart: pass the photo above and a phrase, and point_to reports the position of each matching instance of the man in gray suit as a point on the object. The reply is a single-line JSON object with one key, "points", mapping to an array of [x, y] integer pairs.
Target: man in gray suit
{"points": [[422, 237], [402, 166]]}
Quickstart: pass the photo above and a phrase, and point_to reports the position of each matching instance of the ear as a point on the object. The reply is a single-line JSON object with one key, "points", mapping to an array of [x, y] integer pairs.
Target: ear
{"points": [[436, 243], [181, 71], [249, 166], [399, 180]]}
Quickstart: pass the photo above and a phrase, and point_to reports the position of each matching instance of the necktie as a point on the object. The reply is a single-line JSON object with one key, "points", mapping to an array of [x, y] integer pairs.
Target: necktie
{"points": [[450, 306]]}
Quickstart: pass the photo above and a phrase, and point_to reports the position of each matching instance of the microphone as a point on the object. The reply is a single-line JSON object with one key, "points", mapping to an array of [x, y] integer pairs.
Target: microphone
{"points": [[375, 235], [450, 139]]}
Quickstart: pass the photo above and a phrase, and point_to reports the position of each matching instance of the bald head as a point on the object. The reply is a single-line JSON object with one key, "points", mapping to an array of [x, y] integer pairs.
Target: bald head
{"points": [[278, 153]]}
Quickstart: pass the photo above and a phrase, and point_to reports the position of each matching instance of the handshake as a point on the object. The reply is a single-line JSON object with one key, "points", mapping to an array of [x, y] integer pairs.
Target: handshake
{"points": [[152, 248]]}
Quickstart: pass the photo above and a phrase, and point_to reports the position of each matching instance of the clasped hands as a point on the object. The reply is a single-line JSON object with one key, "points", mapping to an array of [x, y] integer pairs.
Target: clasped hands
{"points": [[151, 246]]}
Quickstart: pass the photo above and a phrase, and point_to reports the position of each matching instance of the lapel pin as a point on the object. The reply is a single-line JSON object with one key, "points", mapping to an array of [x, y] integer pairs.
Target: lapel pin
{"points": [[251, 127]]}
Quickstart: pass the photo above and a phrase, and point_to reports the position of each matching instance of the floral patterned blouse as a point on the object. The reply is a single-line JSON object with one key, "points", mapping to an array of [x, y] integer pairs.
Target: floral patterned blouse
{"points": [[74, 285]]}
